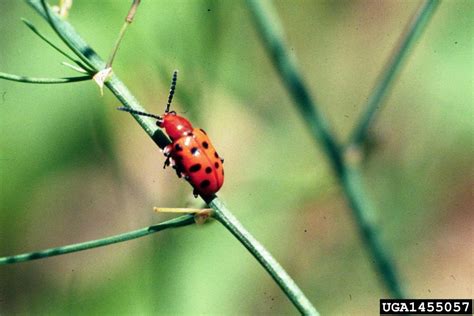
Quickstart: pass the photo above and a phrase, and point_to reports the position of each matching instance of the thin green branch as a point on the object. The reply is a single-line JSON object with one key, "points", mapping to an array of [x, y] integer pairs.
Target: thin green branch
{"points": [[173, 223], [44, 38], [284, 281], [78, 45], [128, 21], [26, 79], [74, 67], [386, 79], [117, 44], [362, 211], [43, 9], [271, 33]]}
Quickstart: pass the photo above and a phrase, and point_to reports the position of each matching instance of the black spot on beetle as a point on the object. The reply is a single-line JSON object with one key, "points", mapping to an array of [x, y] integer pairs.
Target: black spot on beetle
{"points": [[178, 147], [208, 170], [194, 150], [195, 167], [205, 145], [203, 131], [216, 155], [205, 183], [216, 164]]}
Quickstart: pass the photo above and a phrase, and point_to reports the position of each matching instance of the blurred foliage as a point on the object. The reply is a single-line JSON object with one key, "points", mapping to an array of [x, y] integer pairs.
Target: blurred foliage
{"points": [[72, 168]]}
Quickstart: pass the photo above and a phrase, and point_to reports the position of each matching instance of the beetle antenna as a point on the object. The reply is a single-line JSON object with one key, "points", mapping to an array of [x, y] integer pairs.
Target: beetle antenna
{"points": [[122, 108], [172, 88]]}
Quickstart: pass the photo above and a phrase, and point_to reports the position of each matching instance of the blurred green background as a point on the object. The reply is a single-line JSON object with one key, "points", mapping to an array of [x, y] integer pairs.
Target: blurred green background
{"points": [[72, 168]]}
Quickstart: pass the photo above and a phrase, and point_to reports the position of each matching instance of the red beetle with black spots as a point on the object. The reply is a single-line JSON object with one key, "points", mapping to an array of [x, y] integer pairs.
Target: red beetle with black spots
{"points": [[191, 152]]}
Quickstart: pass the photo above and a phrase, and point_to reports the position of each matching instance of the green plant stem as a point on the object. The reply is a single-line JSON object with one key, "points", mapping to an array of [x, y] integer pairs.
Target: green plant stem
{"points": [[284, 281], [67, 33], [173, 223], [271, 33], [26, 79], [386, 79], [124, 95]]}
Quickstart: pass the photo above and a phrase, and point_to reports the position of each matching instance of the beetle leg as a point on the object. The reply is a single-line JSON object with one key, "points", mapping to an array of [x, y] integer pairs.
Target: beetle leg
{"points": [[195, 193], [179, 170], [167, 162], [167, 153]]}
